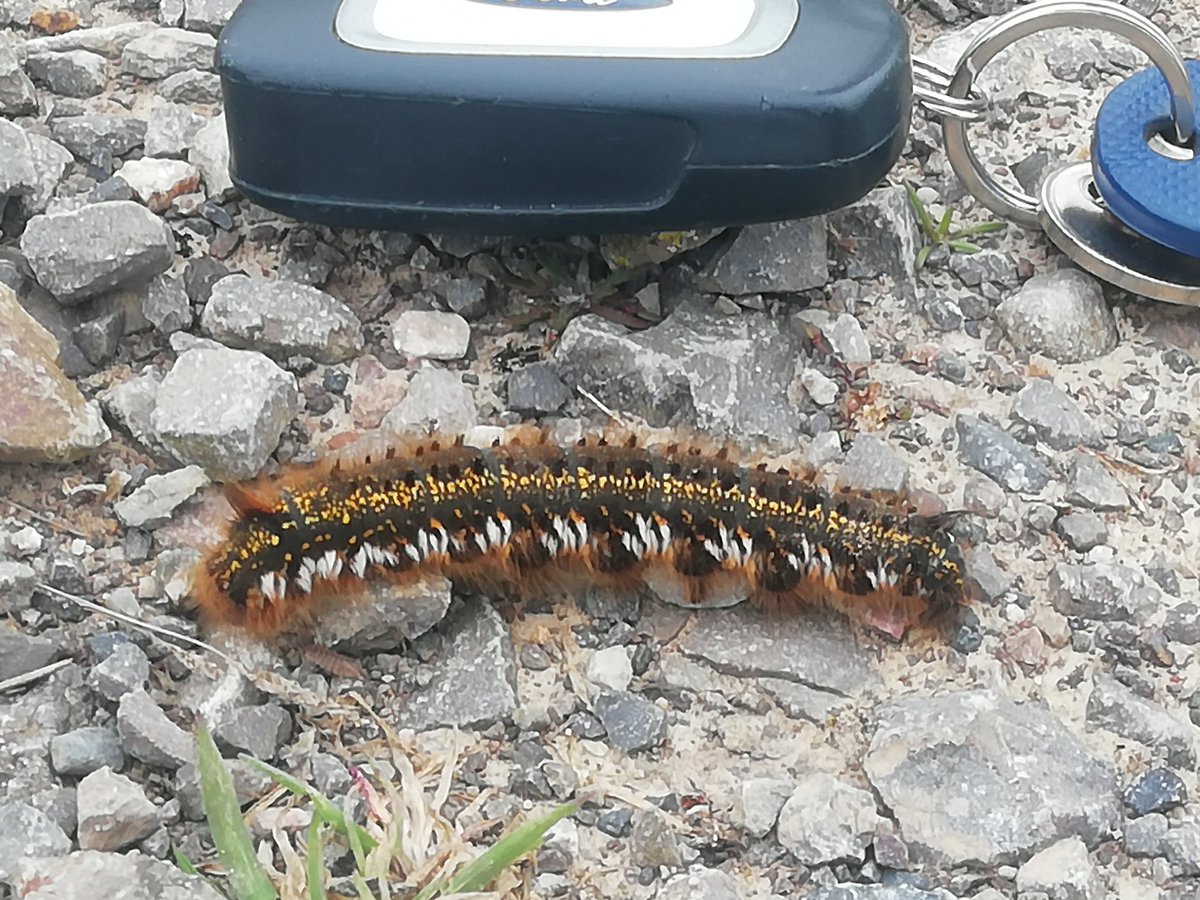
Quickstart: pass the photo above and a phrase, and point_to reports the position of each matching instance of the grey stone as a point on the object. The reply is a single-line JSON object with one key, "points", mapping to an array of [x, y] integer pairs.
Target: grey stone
{"points": [[1093, 486], [843, 332], [208, 151], [149, 736], [1182, 848], [114, 812], [983, 497], [192, 86], [821, 389], [981, 565], [18, 174], [759, 803], [536, 389], [224, 410], [1118, 709], [1062, 871], [281, 318], [1082, 531], [18, 96], [158, 182], [384, 617], [22, 653], [1054, 416], [610, 668], [107, 40], [92, 873], [779, 257], [154, 503], [1061, 315], [474, 677], [27, 832], [988, 265], [1000, 456], [465, 296], [1102, 591], [84, 750], [170, 129], [166, 305], [17, 581], [167, 51], [259, 731], [1143, 837], [800, 701], [77, 255], [1182, 624], [973, 778], [427, 334], [131, 403], [826, 820], [701, 884], [633, 723], [87, 134], [879, 235], [125, 669], [1155, 791], [872, 465], [810, 648], [75, 73], [208, 15], [436, 398], [652, 841], [50, 161], [719, 374], [97, 336], [249, 784]]}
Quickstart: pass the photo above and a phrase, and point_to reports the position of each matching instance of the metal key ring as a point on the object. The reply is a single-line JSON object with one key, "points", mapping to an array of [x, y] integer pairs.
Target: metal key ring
{"points": [[1103, 15]]}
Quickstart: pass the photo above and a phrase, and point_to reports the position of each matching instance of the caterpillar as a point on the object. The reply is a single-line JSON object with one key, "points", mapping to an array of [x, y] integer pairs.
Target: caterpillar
{"points": [[681, 519]]}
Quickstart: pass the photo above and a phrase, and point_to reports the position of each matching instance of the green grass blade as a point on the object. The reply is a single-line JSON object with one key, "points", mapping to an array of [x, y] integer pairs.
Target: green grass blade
{"points": [[981, 228], [224, 814], [323, 807], [480, 872], [922, 213], [314, 865], [943, 227], [185, 865], [923, 255], [964, 247]]}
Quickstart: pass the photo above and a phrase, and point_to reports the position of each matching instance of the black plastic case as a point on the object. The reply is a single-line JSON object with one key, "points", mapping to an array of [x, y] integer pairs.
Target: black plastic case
{"points": [[331, 122]]}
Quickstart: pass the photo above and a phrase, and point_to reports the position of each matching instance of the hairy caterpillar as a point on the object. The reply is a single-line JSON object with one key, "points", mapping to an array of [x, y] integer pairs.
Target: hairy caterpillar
{"points": [[525, 511]]}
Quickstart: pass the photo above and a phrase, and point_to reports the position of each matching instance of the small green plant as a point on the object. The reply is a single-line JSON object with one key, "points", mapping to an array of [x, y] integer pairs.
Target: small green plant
{"points": [[939, 233], [374, 857]]}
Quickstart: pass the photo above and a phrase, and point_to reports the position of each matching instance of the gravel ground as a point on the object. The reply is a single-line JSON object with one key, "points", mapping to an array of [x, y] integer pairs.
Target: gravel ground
{"points": [[160, 334]]}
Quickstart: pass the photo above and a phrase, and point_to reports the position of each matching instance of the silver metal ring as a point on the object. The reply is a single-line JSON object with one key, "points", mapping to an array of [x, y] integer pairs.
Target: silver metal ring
{"points": [[1103, 15], [930, 85]]}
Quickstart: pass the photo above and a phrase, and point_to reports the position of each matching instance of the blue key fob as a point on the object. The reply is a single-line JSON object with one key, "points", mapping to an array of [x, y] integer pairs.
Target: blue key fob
{"points": [[548, 117], [1150, 184]]}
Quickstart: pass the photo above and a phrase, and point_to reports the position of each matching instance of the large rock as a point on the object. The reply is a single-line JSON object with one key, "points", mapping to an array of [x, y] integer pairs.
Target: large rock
{"points": [[1117, 708], [224, 410], [1062, 871], [1055, 417], [721, 374], [281, 318], [18, 97], [166, 51], [974, 779], [815, 650], [777, 257], [18, 172], [43, 416], [27, 832], [114, 812], [1061, 315], [113, 876], [77, 255], [1000, 456], [826, 820], [474, 679]]}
